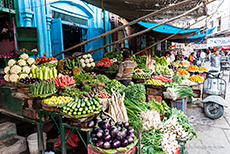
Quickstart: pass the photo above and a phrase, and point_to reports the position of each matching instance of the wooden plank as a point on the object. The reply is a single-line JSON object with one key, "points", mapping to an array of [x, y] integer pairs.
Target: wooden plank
{"points": [[7, 130]]}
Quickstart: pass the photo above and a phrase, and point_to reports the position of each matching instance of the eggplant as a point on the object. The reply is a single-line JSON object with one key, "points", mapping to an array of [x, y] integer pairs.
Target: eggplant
{"points": [[107, 137], [119, 136], [130, 130], [91, 124], [94, 140], [21, 80], [99, 134], [131, 135], [119, 124], [103, 117], [27, 78], [99, 143], [130, 139], [109, 120], [114, 132], [101, 124], [116, 144], [126, 125], [112, 127], [124, 143], [119, 128], [123, 132], [106, 125], [95, 129], [93, 135], [106, 132], [107, 145], [98, 121]]}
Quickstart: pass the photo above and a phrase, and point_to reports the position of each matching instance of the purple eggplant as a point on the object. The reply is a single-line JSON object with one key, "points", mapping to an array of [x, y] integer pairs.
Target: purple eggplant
{"points": [[99, 143], [119, 136], [131, 135], [119, 124], [99, 134], [91, 124], [116, 144], [107, 145], [106, 132], [114, 132], [107, 137], [95, 129], [103, 117], [126, 125], [123, 133], [119, 128], [130, 130], [124, 143], [130, 139], [94, 140], [93, 135], [106, 125]]}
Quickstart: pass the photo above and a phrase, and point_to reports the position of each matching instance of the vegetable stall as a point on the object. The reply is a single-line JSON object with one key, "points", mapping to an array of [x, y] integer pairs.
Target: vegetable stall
{"points": [[147, 116]]}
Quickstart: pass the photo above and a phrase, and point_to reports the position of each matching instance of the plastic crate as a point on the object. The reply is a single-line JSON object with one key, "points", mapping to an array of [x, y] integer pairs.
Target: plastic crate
{"points": [[157, 98], [91, 150], [180, 104]]}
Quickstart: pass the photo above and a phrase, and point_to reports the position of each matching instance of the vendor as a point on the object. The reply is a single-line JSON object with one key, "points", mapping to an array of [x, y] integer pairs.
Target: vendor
{"points": [[191, 57], [167, 56], [126, 68], [185, 61]]}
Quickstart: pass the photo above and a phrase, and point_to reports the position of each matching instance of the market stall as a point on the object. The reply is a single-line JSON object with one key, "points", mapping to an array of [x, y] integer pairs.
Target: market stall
{"points": [[82, 96]]}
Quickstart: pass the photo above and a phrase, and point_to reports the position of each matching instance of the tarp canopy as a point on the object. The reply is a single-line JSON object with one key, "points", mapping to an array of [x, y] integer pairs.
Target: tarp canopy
{"points": [[225, 48], [133, 9]]}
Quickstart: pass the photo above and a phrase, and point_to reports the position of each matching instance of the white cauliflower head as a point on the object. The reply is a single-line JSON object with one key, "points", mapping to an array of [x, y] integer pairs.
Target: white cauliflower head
{"points": [[6, 69], [87, 61], [85, 56], [89, 56], [83, 65], [93, 64], [22, 62], [26, 69], [6, 77], [11, 62], [91, 59], [33, 66], [31, 61], [82, 60], [23, 76], [24, 56], [15, 69], [14, 77], [88, 65]]}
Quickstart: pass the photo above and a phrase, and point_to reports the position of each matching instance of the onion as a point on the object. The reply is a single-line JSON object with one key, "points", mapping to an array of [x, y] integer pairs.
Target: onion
{"points": [[94, 140], [131, 135], [93, 135], [107, 137], [91, 124], [99, 143], [119, 136], [116, 144], [130, 139], [99, 135], [114, 132], [126, 124], [95, 129], [107, 145], [130, 130], [124, 143]]}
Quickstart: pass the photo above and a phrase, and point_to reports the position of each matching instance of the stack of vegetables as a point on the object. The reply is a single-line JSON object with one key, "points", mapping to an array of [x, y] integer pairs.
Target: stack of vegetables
{"points": [[112, 137], [19, 69], [141, 76], [63, 81], [71, 92], [44, 73], [193, 68], [161, 66], [155, 82], [57, 100], [141, 62], [28, 81], [104, 65], [82, 107], [42, 88], [196, 78], [161, 78], [82, 77], [182, 72], [70, 67], [112, 70], [203, 69], [13, 54], [87, 61], [45, 59]]}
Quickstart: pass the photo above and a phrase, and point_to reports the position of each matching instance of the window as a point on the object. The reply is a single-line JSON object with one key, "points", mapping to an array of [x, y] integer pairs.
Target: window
{"points": [[219, 24], [211, 23]]}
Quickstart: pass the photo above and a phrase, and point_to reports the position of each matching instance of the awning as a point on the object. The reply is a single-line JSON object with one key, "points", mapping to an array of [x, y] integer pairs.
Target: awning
{"points": [[166, 30], [225, 48], [133, 9]]}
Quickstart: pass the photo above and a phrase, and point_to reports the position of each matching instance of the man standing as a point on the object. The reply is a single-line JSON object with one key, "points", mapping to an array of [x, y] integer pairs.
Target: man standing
{"points": [[215, 61], [202, 57], [126, 68]]}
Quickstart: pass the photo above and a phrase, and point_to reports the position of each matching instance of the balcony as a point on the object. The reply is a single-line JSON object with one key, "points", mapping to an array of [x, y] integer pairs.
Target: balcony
{"points": [[7, 6], [218, 28]]}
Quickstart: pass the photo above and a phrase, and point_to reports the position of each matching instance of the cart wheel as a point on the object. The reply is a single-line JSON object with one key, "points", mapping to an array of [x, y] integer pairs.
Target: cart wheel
{"points": [[213, 110]]}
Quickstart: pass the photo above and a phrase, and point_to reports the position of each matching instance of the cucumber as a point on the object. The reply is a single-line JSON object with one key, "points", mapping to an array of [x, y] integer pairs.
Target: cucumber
{"points": [[74, 113], [80, 109], [68, 108], [70, 113], [90, 108], [79, 113], [76, 109], [93, 107], [83, 104], [84, 112], [88, 104], [96, 98], [86, 99], [74, 105], [86, 109], [71, 110], [91, 111]]}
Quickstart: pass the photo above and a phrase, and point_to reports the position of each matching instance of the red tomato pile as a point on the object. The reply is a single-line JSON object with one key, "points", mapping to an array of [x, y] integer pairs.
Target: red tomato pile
{"points": [[161, 78]]}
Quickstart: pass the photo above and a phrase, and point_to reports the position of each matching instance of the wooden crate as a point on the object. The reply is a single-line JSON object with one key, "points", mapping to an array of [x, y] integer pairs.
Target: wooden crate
{"points": [[29, 113], [157, 98], [154, 90]]}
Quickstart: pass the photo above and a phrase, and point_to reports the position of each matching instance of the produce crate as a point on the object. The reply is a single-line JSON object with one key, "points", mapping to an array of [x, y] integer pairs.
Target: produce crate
{"points": [[157, 98], [199, 86], [180, 104], [138, 80], [91, 150], [51, 108], [154, 90]]}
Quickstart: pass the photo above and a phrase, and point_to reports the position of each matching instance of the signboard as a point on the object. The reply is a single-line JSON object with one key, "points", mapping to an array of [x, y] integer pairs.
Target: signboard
{"points": [[199, 46], [222, 41]]}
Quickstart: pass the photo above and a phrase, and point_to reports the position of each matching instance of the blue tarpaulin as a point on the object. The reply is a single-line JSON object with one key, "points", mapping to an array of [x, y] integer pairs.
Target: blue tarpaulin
{"points": [[201, 34], [167, 28]]}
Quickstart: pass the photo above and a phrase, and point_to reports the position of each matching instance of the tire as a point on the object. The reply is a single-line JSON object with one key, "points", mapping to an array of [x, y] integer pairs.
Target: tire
{"points": [[213, 110]]}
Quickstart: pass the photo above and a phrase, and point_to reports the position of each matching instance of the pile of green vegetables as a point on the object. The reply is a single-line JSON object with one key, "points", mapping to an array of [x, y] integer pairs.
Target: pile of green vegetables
{"points": [[147, 70], [185, 91], [71, 92], [92, 81], [177, 78], [82, 77], [160, 107], [49, 64], [162, 61], [141, 61], [102, 78], [182, 119], [141, 76], [112, 69], [43, 87], [115, 85]]}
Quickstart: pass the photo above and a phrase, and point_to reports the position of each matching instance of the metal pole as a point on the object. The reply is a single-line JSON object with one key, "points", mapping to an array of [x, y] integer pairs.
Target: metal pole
{"points": [[126, 25]]}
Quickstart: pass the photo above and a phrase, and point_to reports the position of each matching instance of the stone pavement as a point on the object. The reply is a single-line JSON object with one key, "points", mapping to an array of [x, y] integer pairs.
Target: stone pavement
{"points": [[213, 135]]}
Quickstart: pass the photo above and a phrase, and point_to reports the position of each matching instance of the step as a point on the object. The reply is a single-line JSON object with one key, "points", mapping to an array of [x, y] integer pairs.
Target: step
{"points": [[7, 130], [15, 145]]}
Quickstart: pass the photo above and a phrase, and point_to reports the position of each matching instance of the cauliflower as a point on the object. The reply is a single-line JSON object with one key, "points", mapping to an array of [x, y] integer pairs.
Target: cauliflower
{"points": [[15, 69], [88, 65], [22, 62], [11, 62], [93, 64], [34, 66], [82, 60], [6, 69], [87, 61], [23, 76], [26, 69], [13, 77], [85, 56], [91, 59], [83, 65], [31, 61], [89, 56], [6, 77], [24, 56]]}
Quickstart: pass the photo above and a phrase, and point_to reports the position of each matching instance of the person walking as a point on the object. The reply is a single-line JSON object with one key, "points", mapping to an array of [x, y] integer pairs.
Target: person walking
{"points": [[215, 61], [202, 57], [126, 68]]}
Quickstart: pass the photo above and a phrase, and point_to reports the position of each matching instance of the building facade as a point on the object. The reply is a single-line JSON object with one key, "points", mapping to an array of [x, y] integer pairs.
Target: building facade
{"points": [[62, 24]]}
